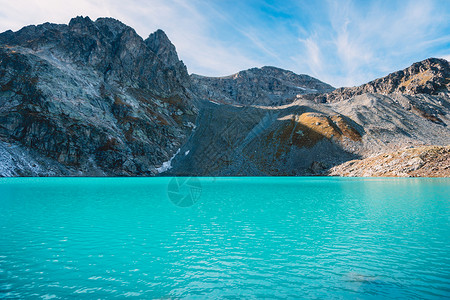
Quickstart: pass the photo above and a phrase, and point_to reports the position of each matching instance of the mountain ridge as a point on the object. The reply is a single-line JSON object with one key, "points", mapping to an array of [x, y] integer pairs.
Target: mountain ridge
{"points": [[93, 98], [429, 76]]}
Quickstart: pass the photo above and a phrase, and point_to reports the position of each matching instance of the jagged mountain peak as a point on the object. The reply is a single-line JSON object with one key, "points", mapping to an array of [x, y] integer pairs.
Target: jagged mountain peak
{"points": [[103, 28], [271, 69], [160, 44], [429, 76], [160, 34], [111, 26], [288, 75], [80, 20], [109, 46], [83, 25], [101, 23]]}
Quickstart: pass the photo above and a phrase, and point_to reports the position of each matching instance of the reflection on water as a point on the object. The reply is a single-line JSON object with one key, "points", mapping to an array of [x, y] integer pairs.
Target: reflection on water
{"points": [[241, 237]]}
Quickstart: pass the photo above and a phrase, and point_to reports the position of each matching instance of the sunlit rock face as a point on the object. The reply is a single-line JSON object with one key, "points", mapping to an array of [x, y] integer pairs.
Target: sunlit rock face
{"points": [[94, 97], [425, 161]]}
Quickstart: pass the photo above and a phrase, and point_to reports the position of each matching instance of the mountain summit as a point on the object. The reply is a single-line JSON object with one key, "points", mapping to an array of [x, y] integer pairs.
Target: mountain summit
{"points": [[160, 44]]}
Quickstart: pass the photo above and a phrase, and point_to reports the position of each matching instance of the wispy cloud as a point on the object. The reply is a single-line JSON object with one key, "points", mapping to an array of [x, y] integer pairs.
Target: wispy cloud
{"points": [[366, 41], [311, 57]]}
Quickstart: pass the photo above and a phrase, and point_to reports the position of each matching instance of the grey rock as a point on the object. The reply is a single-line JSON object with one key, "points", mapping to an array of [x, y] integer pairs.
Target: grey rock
{"points": [[303, 138]]}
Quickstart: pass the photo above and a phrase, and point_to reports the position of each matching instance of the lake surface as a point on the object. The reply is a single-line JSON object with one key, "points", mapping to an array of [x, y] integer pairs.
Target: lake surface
{"points": [[233, 238]]}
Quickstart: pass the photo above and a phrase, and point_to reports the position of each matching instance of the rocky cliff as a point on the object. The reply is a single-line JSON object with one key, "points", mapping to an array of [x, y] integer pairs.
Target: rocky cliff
{"points": [[426, 161], [305, 138], [91, 98]]}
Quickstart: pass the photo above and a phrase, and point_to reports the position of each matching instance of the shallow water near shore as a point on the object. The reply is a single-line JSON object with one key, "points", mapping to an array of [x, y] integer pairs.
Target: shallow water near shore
{"points": [[246, 237]]}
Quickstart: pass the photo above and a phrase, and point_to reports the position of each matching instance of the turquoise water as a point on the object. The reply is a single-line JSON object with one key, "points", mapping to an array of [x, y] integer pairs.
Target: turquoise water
{"points": [[224, 238]]}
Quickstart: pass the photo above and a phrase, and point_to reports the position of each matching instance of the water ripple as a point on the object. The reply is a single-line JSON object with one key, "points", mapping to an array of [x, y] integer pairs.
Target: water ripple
{"points": [[245, 238]]}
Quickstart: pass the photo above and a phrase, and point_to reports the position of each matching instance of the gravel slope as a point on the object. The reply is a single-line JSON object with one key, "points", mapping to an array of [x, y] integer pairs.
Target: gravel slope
{"points": [[427, 161]]}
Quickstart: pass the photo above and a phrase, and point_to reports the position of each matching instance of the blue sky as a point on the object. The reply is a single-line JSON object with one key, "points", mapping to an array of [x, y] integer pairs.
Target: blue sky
{"points": [[343, 43]]}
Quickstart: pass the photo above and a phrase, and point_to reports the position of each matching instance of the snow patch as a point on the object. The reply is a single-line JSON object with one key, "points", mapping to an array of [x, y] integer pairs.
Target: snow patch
{"points": [[167, 165], [212, 101], [306, 89], [190, 124]]}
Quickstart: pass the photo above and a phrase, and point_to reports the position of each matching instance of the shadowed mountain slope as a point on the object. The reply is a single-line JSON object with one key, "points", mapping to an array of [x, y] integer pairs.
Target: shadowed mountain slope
{"points": [[304, 138]]}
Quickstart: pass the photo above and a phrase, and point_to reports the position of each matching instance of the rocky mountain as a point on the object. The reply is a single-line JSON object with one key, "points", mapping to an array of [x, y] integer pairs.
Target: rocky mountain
{"points": [[258, 86], [430, 76], [307, 136], [90, 98]]}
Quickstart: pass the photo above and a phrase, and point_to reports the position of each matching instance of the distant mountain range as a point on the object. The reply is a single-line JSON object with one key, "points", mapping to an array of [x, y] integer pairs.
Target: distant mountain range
{"points": [[92, 98]]}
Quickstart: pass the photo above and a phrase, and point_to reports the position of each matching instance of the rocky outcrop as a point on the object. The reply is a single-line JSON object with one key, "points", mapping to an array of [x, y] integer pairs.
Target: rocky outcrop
{"points": [[307, 137], [429, 161], [258, 86], [303, 138], [93, 97], [430, 76]]}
